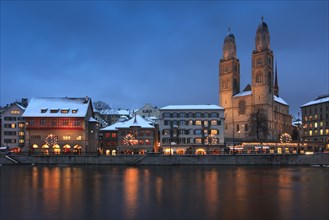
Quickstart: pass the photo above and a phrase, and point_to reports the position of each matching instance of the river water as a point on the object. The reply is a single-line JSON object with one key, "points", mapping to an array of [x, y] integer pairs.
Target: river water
{"points": [[163, 192]]}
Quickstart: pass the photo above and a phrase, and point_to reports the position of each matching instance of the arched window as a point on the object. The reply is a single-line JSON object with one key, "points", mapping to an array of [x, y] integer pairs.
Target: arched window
{"points": [[259, 78], [242, 107]]}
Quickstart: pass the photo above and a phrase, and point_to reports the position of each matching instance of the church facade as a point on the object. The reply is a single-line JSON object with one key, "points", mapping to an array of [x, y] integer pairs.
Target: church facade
{"points": [[258, 112]]}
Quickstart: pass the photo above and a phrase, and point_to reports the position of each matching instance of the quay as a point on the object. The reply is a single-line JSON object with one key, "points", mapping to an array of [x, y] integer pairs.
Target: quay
{"points": [[160, 159]]}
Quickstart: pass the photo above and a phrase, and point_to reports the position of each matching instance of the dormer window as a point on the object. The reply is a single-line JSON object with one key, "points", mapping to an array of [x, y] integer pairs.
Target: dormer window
{"points": [[74, 111], [64, 111], [44, 110], [54, 110]]}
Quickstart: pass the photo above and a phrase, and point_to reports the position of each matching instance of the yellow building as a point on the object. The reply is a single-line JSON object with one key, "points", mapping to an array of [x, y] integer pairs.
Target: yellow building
{"points": [[258, 112]]}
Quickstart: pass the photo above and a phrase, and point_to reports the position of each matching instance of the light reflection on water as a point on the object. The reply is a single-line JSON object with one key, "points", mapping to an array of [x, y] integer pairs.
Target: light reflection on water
{"points": [[168, 192]]}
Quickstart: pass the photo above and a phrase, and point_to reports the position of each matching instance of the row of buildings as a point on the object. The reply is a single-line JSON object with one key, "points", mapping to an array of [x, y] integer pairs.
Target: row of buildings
{"points": [[256, 114], [68, 125]]}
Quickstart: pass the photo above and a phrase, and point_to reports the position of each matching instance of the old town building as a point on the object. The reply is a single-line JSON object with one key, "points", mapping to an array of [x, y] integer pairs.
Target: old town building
{"points": [[13, 127], [315, 122], [257, 112], [132, 136], [192, 129], [61, 125]]}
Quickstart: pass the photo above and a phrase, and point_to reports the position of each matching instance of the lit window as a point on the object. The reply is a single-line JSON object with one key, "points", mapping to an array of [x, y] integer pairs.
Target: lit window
{"points": [[64, 111], [321, 123], [198, 122], [327, 131], [311, 133], [113, 135], [321, 131], [13, 126], [205, 123], [315, 124], [15, 112], [213, 122], [79, 138], [21, 141], [67, 137], [21, 125], [214, 132], [74, 111], [21, 133], [198, 140]]}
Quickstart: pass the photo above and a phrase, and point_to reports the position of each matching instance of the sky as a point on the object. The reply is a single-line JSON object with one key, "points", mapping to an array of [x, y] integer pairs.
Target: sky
{"points": [[128, 53]]}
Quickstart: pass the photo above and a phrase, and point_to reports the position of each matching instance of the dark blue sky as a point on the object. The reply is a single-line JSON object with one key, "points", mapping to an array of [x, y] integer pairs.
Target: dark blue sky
{"points": [[158, 52]]}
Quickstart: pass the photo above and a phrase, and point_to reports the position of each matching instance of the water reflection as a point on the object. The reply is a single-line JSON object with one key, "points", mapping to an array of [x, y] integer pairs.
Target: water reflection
{"points": [[189, 192]]}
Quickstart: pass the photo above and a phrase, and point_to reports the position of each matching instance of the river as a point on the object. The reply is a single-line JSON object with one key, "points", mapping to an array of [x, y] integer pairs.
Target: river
{"points": [[163, 192]]}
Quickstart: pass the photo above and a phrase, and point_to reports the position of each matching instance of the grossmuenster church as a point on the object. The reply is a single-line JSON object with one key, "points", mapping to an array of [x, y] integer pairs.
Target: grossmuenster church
{"points": [[257, 113]]}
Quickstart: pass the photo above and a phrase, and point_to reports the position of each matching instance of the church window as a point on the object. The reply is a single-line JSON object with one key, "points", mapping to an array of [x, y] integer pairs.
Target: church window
{"points": [[246, 127], [270, 81], [259, 62], [242, 107], [259, 77]]}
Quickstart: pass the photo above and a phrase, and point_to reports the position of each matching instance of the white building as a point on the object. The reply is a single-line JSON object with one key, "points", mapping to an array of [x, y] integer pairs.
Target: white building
{"points": [[192, 129], [13, 126]]}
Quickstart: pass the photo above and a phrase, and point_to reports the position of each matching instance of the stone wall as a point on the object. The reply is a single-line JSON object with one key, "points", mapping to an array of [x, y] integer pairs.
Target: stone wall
{"points": [[155, 159]]}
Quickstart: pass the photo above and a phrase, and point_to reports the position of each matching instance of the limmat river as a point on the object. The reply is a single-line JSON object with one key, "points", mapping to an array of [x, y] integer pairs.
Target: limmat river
{"points": [[163, 192]]}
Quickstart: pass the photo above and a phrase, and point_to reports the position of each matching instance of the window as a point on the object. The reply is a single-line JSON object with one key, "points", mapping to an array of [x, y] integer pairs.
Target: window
{"points": [[65, 123], [182, 122], [79, 138], [44, 110], [21, 133], [198, 132], [13, 126], [198, 115], [166, 115], [42, 122], [53, 123], [66, 137], [198, 140], [214, 132], [9, 133], [76, 123], [310, 133], [182, 115], [174, 115], [54, 110], [190, 122], [35, 137], [74, 111], [246, 127], [10, 119], [166, 122], [147, 133], [15, 112], [214, 115], [64, 111], [259, 78], [242, 107], [198, 122], [213, 122], [205, 123], [315, 124], [165, 132], [190, 115], [21, 125]]}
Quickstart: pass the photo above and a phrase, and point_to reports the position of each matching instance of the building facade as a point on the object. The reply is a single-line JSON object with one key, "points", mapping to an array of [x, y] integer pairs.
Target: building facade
{"points": [[191, 129], [258, 112], [315, 122], [133, 136], [13, 126], [61, 125], [148, 111]]}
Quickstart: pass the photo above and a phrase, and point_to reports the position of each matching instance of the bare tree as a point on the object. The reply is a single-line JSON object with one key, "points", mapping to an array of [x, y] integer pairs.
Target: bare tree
{"points": [[101, 106], [258, 125]]}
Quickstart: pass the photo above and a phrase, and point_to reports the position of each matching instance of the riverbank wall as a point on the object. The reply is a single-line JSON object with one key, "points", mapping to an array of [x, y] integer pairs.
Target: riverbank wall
{"points": [[160, 159]]}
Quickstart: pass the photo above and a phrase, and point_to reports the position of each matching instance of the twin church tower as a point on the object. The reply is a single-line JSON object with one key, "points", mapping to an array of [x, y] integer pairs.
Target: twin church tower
{"points": [[258, 112]]}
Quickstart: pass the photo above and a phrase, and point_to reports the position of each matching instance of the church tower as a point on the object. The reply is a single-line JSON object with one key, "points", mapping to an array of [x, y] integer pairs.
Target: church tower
{"points": [[262, 68], [229, 72]]}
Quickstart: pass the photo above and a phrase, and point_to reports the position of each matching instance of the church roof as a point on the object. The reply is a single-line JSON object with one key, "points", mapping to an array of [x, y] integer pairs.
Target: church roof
{"points": [[280, 100], [244, 93]]}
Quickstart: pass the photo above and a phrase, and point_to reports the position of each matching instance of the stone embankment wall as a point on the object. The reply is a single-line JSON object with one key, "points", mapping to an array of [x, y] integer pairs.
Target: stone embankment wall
{"points": [[155, 159]]}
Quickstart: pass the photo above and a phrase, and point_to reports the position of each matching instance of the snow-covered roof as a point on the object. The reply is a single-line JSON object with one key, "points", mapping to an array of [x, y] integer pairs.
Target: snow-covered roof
{"points": [[57, 107], [191, 107], [279, 100], [91, 119], [245, 93], [317, 101], [136, 121]]}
